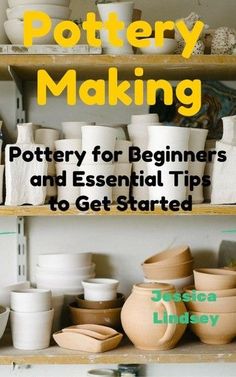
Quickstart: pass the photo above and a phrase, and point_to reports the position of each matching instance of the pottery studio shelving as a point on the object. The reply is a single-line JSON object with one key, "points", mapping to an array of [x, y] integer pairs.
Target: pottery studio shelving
{"points": [[168, 67]]}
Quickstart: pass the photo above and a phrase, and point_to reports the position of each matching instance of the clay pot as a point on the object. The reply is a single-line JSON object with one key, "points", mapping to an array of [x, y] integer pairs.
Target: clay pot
{"points": [[167, 272], [86, 304], [100, 289], [220, 292], [64, 262], [105, 317], [171, 256], [223, 333], [137, 318], [214, 278]]}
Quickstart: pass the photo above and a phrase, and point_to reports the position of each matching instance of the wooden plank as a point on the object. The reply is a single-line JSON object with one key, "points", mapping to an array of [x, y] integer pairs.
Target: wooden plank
{"points": [[188, 351], [170, 67], [198, 210]]}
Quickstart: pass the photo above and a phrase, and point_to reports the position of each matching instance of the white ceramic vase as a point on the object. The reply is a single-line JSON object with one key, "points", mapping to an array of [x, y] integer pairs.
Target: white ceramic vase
{"points": [[72, 130], [121, 169], [3, 18], [31, 331], [31, 300], [100, 289], [95, 192], [123, 146], [124, 11], [178, 139], [197, 143], [47, 137], [64, 262], [68, 192], [229, 130], [69, 145]]}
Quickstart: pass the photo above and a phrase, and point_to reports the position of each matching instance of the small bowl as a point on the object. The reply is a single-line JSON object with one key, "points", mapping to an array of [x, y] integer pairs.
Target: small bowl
{"points": [[100, 289], [104, 317], [171, 256], [214, 279], [223, 333], [169, 272], [219, 293], [85, 304], [4, 315], [169, 47]]}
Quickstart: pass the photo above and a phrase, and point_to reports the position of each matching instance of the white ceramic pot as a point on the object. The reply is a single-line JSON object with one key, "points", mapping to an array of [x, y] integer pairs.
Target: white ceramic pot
{"points": [[95, 192], [124, 11], [120, 128], [66, 273], [47, 137], [31, 331], [104, 373], [15, 3], [55, 11], [71, 283], [178, 139], [69, 145], [92, 136], [121, 169], [1, 182], [100, 289], [179, 284], [197, 143], [70, 192], [123, 146], [3, 17], [31, 300], [4, 315], [229, 130], [5, 292], [144, 119], [72, 130], [64, 262]]}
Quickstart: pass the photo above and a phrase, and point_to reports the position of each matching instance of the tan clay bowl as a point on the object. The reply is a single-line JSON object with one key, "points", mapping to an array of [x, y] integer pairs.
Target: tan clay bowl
{"points": [[86, 304], [168, 272], [105, 317], [214, 279], [219, 293], [223, 333], [168, 257]]}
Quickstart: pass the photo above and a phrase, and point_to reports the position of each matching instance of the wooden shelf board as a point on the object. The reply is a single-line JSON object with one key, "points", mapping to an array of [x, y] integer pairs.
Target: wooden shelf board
{"points": [[198, 210], [171, 67], [188, 351]]}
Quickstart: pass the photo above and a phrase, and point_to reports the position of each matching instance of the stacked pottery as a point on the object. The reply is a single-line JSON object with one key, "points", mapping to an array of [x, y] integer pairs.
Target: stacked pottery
{"points": [[48, 137], [142, 317], [218, 286], [138, 134], [105, 139], [122, 168], [31, 318], [100, 304], [73, 130], [224, 177], [172, 266]]}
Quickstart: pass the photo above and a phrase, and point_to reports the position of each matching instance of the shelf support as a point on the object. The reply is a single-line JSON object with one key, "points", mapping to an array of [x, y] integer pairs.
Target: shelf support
{"points": [[20, 112], [21, 251]]}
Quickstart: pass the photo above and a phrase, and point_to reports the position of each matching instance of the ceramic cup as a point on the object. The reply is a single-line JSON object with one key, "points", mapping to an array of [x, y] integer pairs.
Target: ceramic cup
{"points": [[95, 192], [68, 192], [123, 146], [47, 137], [31, 300], [121, 169], [1, 182], [120, 128], [31, 331], [100, 289], [69, 145], [92, 136], [72, 130]]}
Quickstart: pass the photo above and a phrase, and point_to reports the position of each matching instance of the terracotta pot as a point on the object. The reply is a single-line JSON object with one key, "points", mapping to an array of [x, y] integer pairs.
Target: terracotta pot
{"points": [[86, 304], [174, 255], [105, 317], [223, 333], [221, 305], [137, 318], [214, 278], [167, 272], [220, 292]]}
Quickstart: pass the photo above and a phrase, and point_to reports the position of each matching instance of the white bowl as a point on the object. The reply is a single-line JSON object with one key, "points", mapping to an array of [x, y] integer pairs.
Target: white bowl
{"points": [[77, 272], [15, 3], [168, 47], [5, 292], [64, 262], [100, 289], [57, 282], [55, 11], [31, 300], [4, 315], [179, 284], [15, 32]]}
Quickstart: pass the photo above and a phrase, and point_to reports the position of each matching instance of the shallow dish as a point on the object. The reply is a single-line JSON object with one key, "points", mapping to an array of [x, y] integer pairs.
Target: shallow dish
{"points": [[85, 304], [55, 11], [214, 279], [169, 47]]}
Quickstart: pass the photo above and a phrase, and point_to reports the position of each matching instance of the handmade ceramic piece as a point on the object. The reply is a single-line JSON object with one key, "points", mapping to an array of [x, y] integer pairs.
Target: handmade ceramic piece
{"points": [[51, 191], [229, 130], [31, 300], [118, 302], [73, 282], [47, 137], [219, 292], [138, 313], [214, 278], [31, 331], [197, 143], [3, 17], [73, 130], [55, 11], [65, 262], [124, 11], [19, 190], [168, 272], [4, 315], [222, 333], [67, 272], [144, 119], [92, 136], [5, 292], [104, 317], [177, 138], [1, 182], [179, 284], [123, 146], [120, 128], [221, 305], [168, 48], [70, 192], [224, 41], [174, 255], [121, 169], [100, 289], [69, 145], [96, 192]]}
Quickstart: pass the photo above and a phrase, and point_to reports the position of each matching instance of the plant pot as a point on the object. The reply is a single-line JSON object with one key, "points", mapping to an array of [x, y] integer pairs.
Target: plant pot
{"points": [[73, 130], [31, 331], [95, 192], [3, 18], [68, 192], [100, 289], [125, 170], [31, 300], [69, 145]]}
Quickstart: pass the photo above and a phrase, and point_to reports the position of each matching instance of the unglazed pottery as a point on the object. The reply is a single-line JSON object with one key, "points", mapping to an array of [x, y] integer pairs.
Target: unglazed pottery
{"points": [[69, 145], [221, 305], [123, 146], [168, 272], [59, 262], [75, 272], [4, 315], [214, 279], [224, 41], [144, 119], [47, 137], [104, 317], [69, 192], [222, 333], [31, 300], [73, 130], [219, 292], [137, 318], [175, 255], [121, 169], [67, 281], [31, 331], [55, 11], [100, 289], [5, 292], [120, 128], [168, 47], [179, 284], [118, 302]]}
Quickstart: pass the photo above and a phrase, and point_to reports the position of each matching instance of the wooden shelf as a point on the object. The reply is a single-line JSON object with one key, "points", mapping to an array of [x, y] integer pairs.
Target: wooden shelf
{"points": [[198, 210], [171, 67], [186, 352]]}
